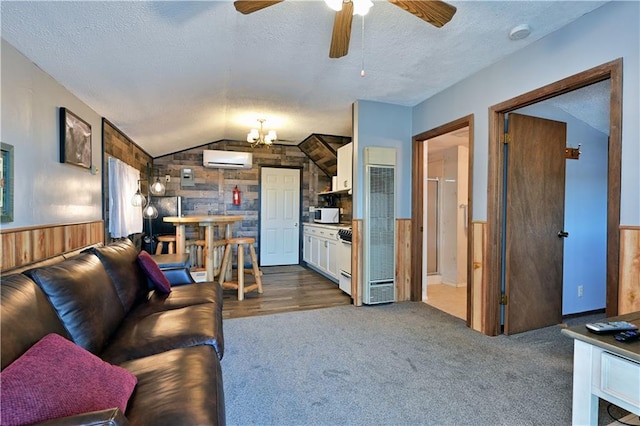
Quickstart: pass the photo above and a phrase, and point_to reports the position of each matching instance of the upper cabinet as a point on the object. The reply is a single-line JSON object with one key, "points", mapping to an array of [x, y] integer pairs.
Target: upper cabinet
{"points": [[345, 161]]}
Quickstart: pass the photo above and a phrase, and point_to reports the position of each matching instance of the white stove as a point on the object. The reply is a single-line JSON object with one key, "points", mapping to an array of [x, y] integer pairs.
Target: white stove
{"points": [[344, 259]]}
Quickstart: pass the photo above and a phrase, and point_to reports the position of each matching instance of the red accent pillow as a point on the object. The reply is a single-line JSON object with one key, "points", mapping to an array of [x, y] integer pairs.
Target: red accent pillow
{"points": [[57, 378], [154, 273]]}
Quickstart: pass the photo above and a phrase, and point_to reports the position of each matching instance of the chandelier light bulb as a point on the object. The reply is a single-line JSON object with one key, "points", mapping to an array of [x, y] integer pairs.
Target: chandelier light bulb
{"points": [[258, 137], [138, 199], [158, 187], [150, 211]]}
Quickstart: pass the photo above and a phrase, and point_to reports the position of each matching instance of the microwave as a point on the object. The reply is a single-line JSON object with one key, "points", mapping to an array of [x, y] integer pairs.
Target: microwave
{"points": [[327, 215]]}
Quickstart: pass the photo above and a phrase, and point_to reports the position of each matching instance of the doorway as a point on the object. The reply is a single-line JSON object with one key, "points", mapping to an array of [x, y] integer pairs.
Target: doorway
{"points": [[446, 224], [430, 265], [279, 216], [611, 71]]}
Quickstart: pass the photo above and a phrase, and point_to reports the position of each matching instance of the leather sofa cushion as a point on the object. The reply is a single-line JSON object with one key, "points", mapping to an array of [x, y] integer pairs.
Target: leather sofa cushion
{"points": [[84, 298], [177, 387], [26, 317], [120, 259], [180, 297], [141, 336]]}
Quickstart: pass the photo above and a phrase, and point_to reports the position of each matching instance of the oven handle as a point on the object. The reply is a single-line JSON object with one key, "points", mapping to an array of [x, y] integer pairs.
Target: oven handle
{"points": [[345, 274]]}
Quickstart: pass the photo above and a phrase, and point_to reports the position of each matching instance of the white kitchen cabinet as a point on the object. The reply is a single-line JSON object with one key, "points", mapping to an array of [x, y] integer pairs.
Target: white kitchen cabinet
{"points": [[345, 160], [320, 249]]}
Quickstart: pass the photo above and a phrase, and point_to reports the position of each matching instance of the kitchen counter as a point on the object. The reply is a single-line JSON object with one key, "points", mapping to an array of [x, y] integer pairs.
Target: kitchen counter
{"points": [[335, 226]]}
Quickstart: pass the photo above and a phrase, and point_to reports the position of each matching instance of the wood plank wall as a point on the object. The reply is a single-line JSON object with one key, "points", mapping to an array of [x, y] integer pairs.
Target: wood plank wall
{"points": [[629, 290], [118, 145], [478, 276], [403, 260], [22, 246]]}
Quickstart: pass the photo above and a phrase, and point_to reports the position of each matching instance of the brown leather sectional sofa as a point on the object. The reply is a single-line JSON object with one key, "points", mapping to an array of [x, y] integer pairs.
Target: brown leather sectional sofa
{"points": [[101, 300]]}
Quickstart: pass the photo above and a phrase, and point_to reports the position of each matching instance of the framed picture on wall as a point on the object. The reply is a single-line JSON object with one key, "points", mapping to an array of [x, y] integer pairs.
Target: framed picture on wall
{"points": [[6, 182], [75, 139]]}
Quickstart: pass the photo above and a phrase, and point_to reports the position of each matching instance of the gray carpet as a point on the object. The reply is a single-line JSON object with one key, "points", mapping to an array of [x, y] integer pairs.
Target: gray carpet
{"points": [[399, 364]]}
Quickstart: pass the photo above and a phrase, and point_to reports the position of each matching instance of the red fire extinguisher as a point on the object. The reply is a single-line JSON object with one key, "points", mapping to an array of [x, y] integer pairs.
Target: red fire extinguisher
{"points": [[236, 196]]}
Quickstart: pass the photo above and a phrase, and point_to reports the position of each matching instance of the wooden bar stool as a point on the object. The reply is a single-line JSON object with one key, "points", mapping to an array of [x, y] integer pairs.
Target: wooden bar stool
{"points": [[169, 239], [200, 257], [239, 285]]}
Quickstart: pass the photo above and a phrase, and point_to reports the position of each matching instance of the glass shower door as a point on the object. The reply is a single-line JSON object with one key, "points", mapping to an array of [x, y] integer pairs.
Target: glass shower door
{"points": [[433, 229]]}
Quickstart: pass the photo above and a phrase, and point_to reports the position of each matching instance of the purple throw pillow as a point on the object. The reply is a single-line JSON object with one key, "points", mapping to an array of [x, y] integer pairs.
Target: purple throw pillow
{"points": [[57, 378], [154, 273]]}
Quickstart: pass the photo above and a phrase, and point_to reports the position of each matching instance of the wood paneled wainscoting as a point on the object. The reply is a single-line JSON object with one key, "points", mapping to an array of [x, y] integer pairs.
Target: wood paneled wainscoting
{"points": [[402, 259], [477, 281], [22, 246], [629, 290]]}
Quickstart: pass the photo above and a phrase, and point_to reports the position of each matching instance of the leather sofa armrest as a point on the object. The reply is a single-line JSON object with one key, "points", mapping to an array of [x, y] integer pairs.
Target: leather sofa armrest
{"points": [[178, 276], [108, 417]]}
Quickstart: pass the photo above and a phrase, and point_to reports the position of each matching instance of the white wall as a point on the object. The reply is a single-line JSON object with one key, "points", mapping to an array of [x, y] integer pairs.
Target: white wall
{"points": [[610, 32], [385, 125], [46, 191]]}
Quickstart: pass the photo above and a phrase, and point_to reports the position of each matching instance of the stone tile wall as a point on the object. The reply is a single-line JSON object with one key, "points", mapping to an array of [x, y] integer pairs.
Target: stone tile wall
{"points": [[213, 190]]}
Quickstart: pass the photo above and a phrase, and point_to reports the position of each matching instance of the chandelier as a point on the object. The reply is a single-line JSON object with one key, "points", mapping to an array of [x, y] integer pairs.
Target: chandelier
{"points": [[257, 137]]}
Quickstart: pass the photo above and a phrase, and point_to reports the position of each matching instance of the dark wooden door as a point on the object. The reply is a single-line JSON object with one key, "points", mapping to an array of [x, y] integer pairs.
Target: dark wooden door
{"points": [[534, 217]]}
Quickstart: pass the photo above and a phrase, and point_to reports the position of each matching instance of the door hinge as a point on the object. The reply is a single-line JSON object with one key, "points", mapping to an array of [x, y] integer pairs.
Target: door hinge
{"points": [[503, 299], [507, 138]]}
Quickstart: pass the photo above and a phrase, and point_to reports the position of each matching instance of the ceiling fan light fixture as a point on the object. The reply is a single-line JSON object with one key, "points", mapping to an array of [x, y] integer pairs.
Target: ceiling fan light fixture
{"points": [[361, 7], [334, 4]]}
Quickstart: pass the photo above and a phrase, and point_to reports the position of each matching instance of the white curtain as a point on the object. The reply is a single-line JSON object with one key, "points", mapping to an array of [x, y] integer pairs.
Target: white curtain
{"points": [[124, 218]]}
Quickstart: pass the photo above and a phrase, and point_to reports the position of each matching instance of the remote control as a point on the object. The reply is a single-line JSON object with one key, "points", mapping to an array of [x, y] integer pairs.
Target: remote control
{"points": [[610, 326], [627, 336]]}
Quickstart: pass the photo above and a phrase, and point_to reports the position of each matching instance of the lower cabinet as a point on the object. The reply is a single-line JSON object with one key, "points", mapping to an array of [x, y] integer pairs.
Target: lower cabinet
{"points": [[319, 250]]}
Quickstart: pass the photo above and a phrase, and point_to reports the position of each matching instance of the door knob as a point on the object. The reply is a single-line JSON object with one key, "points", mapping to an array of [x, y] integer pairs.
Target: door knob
{"points": [[563, 234]]}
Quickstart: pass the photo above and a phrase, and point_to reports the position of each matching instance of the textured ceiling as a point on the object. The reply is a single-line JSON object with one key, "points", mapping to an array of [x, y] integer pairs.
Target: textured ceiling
{"points": [[174, 75]]}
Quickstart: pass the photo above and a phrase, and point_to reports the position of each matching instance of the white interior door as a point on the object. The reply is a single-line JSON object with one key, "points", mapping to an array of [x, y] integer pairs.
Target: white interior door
{"points": [[279, 216]]}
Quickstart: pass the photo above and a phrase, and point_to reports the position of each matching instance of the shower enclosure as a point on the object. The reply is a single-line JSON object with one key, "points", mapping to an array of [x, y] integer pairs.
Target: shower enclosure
{"points": [[446, 217]]}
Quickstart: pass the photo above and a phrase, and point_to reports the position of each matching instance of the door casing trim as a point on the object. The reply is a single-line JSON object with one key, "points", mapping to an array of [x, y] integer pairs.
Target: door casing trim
{"points": [[495, 220], [417, 211]]}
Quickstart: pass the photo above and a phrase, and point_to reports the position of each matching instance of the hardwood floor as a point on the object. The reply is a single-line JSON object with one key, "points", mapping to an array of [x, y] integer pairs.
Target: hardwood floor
{"points": [[285, 289], [296, 288]]}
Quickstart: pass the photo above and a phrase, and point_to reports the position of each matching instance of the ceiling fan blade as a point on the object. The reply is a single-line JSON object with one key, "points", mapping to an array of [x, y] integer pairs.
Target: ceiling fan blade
{"points": [[341, 31], [435, 12], [249, 6]]}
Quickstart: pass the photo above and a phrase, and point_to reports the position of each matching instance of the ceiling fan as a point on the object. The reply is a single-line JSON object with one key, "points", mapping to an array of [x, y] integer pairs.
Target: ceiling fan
{"points": [[435, 12]]}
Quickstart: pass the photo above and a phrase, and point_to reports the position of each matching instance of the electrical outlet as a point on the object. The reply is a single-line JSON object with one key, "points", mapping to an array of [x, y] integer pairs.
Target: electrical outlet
{"points": [[167, 178], [580, 291]]}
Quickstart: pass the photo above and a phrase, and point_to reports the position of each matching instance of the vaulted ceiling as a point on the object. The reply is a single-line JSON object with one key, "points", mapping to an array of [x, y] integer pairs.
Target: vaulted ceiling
{"points": [[174, 75]]}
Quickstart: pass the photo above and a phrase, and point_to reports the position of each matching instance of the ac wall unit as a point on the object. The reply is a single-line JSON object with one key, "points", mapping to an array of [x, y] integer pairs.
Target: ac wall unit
{"points": [[217, 159], [379, 225]]}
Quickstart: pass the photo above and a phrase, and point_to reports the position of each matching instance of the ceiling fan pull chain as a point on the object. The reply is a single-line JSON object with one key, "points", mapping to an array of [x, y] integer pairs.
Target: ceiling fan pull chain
{"points": [[362, 71]]}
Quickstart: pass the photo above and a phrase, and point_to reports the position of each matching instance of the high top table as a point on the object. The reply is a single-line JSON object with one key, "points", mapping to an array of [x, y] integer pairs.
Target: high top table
{"points": [[207, 222], [604, 368]]}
